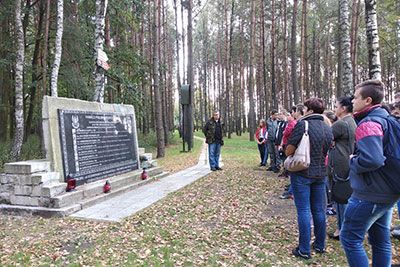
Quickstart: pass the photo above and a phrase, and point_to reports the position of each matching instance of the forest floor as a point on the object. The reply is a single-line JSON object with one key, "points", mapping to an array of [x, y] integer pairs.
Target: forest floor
{"points": [[232, 217]]}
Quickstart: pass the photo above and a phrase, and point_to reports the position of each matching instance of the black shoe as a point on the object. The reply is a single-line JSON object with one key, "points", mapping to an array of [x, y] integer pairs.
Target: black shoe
{"points": [[270, 169], [287, 186], [261, 165], [218, 168], [317, 249], [276, 170], [299, 254], [213, 169], [333, 236]]}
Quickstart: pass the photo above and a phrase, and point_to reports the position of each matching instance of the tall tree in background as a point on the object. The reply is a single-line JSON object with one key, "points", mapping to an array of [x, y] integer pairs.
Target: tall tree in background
{"points": [[372, 40], [294, 54], [344, 28], [19, 73], [190, 75], [273, 57], [156, 81], [45, 47], [101, 8], [251, 71], [58, 46]]}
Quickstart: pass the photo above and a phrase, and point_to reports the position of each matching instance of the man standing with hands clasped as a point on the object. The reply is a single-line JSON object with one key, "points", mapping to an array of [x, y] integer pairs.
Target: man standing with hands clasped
{"points": [[372, 174], [213, 130]]}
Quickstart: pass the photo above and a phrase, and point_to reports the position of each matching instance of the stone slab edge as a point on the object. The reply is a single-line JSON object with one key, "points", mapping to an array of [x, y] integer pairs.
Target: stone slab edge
{"points": [[38, 211]]}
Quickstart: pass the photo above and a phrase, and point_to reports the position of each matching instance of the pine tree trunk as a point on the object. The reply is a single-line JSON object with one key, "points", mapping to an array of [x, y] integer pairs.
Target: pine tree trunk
{"points": [[184, 80], [305, 52], [157, 96], [19, 73], [190, 76], [163, 60], [58, 48], [178, 69], [347, 72], [4, 77], [35, 67], [251, 71], [45, 47], [294, 54], [285, 56], [273, 57], [372, 40], [101, 8]]}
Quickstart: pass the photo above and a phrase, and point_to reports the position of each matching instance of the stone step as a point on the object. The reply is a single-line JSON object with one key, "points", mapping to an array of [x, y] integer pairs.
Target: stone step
{"points": [[27, 167], [52, 189], [91, 190], [45, 177], [153, 163], [38, 211]]}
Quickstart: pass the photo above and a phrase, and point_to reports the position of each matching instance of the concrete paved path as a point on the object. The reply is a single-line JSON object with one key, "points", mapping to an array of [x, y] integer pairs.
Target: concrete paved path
{"points": [[131, 202]]}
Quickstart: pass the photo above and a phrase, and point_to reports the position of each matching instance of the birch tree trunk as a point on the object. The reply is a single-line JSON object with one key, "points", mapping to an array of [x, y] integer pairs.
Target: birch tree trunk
{"points": [[157, 96], [101, 7], [58, 46], [294, 54], [344, 26], [19, 72], [372, 40]]}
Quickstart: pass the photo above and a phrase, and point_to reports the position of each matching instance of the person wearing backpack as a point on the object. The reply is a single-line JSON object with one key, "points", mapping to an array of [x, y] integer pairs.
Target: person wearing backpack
{"points": [[374, 178]]}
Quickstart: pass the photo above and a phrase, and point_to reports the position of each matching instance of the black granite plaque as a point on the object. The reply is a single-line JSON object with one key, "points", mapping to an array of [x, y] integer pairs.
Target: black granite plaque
{"points": [[96, 145]]}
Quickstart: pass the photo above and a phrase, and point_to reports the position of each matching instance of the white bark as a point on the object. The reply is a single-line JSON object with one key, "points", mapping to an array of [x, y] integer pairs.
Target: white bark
{"points": [[372, 40], [58, 45], [101, 7], [19, 72], [344, 24]]}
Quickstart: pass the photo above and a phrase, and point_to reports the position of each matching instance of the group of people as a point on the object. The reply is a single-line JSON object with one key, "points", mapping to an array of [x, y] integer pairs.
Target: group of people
{"points": [[348, 158]]}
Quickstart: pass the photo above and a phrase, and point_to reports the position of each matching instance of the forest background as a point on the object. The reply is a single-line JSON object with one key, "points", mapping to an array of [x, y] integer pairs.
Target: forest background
{"points": [[242, 58]]}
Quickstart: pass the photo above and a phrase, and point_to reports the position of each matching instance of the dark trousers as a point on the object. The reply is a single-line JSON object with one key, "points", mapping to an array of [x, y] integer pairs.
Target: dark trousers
{"points": [[274, 158]]}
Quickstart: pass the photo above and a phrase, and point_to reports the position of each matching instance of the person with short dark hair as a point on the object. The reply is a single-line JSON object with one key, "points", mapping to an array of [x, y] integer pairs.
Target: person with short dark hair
{"points": [[213, 130], [371, 204], [309, 184]]}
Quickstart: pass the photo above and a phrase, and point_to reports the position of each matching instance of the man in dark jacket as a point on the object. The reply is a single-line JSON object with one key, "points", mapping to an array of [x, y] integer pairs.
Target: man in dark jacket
{"points": [[272, 126], [370, 207], [213, 130]]}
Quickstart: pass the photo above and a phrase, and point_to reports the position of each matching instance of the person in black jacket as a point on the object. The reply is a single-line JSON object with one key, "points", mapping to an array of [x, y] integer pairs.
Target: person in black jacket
{"points": [[309, 184]]}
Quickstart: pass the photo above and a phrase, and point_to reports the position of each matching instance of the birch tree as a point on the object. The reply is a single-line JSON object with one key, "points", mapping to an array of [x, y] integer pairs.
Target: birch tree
{"points": [[58, 45], [372, 40], [344, 26], [19, 72], [101, 7]]}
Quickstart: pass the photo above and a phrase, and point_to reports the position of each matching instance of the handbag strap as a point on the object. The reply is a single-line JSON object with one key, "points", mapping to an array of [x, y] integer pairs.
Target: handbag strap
{"points": [[305, 127]]}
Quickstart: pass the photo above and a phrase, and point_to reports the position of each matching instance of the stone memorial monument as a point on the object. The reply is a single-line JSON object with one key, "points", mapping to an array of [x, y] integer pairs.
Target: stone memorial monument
{"points": [[85, 141]]}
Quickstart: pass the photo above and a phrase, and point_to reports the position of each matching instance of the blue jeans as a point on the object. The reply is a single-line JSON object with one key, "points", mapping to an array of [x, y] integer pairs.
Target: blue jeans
{"points": [[360, 217], [340, 208], [214, 151], [309, 195]]}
